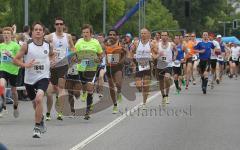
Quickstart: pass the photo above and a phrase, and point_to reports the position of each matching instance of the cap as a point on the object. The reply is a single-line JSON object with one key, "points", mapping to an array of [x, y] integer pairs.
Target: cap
{"points": [[129, 35], [219, 36]]}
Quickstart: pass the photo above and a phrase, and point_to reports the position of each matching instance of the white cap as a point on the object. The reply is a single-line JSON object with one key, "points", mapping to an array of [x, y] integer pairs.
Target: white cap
{"points": [[219, 36]]}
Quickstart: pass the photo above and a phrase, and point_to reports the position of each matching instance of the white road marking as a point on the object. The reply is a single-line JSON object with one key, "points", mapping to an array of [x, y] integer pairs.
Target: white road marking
{"points": [[110, 125]]}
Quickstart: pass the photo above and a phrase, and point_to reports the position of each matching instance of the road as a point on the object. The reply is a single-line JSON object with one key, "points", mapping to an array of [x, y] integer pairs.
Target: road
{"points": [[192, 121]]}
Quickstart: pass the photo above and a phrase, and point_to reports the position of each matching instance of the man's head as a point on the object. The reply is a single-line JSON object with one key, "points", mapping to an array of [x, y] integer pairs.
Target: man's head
{"points": [[164, 36], [177, 39], [113, 34], [38, 30], [205, 35], [219, 38], [145, 34], [87, 31], [59, 24], [7, 33]]}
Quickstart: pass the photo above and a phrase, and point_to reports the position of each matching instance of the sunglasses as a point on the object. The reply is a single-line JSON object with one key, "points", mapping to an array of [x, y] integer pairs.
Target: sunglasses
{"points": [[111, 34], [57, 24]]}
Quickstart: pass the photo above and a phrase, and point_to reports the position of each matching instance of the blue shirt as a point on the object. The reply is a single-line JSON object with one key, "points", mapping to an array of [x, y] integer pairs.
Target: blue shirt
{"points": [[207, 46], [180, 55], [222, 47]]}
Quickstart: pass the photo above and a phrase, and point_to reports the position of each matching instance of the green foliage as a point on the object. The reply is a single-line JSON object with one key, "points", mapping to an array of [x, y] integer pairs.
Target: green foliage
{"points": [[160, 14]]}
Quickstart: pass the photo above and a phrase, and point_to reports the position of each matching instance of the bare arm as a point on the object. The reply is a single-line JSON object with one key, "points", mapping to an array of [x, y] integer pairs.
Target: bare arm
{"points": [[18, 58], [70, 42]]}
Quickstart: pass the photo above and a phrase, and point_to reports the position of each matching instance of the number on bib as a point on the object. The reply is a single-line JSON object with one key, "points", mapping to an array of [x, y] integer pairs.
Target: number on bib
{"points": [[144, 65], [113, 58]]}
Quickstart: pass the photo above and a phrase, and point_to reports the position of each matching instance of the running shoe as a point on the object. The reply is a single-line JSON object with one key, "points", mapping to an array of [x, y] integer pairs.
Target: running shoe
{"points": [[59, 116], [48, 117], [84, 97], [115, 110], [36, 132], [15, 113], [119, 97]]}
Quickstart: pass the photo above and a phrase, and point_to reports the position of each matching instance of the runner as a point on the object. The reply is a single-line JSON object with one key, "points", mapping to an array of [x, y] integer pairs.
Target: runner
{"points": [[115, 54], [220, 60], [73, 84], [178, 64], [62, 43], [213, 60], [8, 70], [143, 51], [204, 49], [101, 68], [88, 67], [234, 60], [166, 54], [191, 58], [37, 55]]}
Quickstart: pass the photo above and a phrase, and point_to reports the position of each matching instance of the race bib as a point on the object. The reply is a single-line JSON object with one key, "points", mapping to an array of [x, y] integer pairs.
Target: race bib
{"points": [[161, 64], [39, 67], [144, 65], [113, 58], [234, 58], [60, 53], [177, 63], [87, 63], [194, 57], [163, 58], [73, 70], [5, 57], [220, 58]]}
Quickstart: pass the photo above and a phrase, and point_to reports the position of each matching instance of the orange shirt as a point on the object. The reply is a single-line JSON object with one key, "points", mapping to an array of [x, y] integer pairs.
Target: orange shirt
{"points": [[113, 54], [190, 47]]}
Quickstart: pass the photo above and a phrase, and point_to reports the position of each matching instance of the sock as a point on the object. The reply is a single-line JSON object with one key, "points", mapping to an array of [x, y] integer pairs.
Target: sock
{"points": [[15, 106], [89, 101], [176, 84]]}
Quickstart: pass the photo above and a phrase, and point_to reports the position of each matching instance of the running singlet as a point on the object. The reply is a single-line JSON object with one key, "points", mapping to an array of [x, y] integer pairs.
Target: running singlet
{"points": [[92, 46], [235, 53], [190, 50], [41, 69], [180, 56], [217, 46], [143, 56], [113, 54], [60, 45], [7, 52], [165, 56]]}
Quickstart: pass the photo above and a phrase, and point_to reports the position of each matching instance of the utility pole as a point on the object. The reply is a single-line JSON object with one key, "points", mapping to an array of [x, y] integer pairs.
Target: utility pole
{"points": [[104, 16], [26, 12]]}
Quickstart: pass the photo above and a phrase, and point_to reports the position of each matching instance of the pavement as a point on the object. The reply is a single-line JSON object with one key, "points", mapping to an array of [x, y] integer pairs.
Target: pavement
{"points": [[192, 121]]}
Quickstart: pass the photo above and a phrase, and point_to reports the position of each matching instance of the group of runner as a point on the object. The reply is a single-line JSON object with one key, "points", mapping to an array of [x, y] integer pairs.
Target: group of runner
{"points": [[60, 63]]}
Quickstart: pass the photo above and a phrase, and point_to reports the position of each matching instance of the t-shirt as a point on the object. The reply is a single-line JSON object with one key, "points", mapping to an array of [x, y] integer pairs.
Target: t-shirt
{"points": [[7, 52], [207, 46], [91, 46]]}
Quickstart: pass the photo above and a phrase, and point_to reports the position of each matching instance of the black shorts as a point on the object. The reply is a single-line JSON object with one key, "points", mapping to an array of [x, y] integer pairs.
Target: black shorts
{"points": [[141, 74], [189, 60], [160, 73], [87, 76], [204, 65], [57, 73], [40, 85], [110, 71], [10, 78], [72, 81], [177, 70], [234, 61], [213, 63]]}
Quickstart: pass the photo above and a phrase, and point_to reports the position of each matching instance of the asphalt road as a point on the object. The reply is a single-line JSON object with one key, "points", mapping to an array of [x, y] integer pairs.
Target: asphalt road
{"points": [[192, 121]]}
